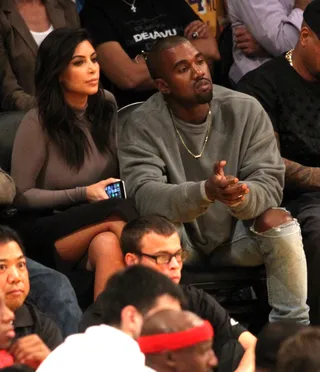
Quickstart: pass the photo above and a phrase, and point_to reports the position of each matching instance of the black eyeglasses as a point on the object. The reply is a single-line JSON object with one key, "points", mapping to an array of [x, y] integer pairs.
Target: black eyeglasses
{"points": [[165, 258]]}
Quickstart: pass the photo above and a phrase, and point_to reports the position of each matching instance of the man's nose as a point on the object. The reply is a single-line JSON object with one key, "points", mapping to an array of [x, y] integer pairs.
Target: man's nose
{"points": [[213, 360], [14, 275], [174, 263], [197, 71], [7, 315]]}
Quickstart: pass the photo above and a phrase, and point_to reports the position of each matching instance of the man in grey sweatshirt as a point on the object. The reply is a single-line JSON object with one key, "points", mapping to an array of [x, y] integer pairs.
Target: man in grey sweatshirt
{"points": [[206, 158]]}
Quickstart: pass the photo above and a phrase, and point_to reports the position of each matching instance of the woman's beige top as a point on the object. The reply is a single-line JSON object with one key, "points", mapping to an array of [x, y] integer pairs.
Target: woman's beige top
{"points": [[43, 178]]}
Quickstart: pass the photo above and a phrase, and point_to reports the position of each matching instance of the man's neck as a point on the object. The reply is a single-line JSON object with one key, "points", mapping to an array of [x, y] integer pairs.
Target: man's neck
{"points": [[298, 65], [195, 114]]}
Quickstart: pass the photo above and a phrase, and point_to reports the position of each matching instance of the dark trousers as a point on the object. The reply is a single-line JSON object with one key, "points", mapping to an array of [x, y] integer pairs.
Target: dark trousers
{"points": [[306, 208]]}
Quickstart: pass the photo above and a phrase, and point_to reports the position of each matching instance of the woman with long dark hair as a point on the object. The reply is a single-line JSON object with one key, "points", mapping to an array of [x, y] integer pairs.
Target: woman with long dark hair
{"points": [[64, 156]]}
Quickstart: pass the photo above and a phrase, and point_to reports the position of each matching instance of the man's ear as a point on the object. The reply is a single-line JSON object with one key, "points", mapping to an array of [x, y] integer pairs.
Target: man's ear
{"points": [[304, 36], [131, 321], [131, 259], [171, 360], [162, 86]]}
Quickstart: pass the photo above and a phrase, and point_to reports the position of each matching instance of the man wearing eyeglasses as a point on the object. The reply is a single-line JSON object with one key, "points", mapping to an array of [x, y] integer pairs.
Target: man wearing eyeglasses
{"points": [[153, 241]]}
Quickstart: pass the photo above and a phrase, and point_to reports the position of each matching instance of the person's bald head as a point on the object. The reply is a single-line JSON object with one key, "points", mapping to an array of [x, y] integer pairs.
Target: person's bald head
{"points": [[197, 358], [170, 321]]}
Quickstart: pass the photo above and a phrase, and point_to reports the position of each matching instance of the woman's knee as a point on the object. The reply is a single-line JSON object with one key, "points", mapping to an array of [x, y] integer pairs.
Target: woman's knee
{"points": [[105, 244]]}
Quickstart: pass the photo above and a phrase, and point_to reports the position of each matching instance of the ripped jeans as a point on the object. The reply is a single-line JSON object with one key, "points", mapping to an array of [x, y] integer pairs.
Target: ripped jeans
{"points": [[281, 251]]}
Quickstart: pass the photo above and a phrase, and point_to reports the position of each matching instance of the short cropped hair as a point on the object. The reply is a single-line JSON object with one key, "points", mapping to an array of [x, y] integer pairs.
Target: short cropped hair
{"points": [[138, 286], [270, 340], [8, 235], [300, 352], [136, 229], [153, 56]]}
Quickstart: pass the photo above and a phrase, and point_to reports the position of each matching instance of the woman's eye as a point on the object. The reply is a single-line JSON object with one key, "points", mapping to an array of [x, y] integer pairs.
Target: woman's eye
{"points": [[78, 63]]}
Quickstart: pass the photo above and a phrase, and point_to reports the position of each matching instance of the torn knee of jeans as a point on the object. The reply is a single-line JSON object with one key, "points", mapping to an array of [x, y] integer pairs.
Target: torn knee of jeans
{"points": [[272, 219], [275, 228]]}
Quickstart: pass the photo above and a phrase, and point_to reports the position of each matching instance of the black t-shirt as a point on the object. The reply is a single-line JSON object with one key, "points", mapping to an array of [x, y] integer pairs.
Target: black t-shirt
{"points": [[113, 20], [293, 105], [29, 320], [199, 302]]}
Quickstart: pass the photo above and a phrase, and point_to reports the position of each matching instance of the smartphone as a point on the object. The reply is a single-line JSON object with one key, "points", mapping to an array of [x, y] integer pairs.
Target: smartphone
{"points": [[116, 190]]}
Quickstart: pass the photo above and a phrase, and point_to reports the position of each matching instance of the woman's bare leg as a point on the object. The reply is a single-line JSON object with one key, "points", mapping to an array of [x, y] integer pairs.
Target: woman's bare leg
{"points": [[105, 258], [74, 246]]}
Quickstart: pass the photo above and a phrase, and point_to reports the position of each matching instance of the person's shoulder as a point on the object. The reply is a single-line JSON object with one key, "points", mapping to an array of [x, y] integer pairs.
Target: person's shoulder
{"points": [[193, 295], [38, 316], [235, 101], [31, 119], [45, 327], [109, 98], [266, 72], [91, 317], [152, 107]]}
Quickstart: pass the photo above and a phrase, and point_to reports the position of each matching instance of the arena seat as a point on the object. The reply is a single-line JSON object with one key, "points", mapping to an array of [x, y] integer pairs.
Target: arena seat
{"points": [[9, 123]]}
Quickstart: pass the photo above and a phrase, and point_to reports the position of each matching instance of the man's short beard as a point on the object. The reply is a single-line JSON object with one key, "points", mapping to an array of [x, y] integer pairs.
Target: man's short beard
{"points": [[205, 97]]}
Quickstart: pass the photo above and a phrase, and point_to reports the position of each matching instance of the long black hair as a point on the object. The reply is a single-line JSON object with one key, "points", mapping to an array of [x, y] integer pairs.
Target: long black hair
{"points": [[57, 118]]}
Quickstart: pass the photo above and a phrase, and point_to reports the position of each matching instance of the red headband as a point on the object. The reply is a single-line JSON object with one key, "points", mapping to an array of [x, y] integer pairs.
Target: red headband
{"points": [[174, 341]]}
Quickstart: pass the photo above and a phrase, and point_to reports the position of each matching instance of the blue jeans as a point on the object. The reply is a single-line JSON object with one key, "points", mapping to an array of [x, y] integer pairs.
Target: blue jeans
{"points": [[281, 251], [53, 294]]}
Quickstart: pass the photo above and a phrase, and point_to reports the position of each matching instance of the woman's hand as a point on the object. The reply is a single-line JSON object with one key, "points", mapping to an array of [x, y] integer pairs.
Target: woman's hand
{"points": [[97, 192]]}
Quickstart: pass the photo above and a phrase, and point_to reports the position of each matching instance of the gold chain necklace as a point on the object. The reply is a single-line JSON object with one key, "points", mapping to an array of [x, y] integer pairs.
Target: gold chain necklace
{"points": [[205, 140], [289, 57]]}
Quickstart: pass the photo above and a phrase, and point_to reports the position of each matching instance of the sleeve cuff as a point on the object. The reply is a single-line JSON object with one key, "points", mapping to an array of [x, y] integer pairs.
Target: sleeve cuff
{"points": [[296, 18], [203, 192]]}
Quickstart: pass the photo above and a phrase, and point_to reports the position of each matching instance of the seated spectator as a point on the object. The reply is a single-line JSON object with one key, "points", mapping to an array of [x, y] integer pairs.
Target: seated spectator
{"points": [[23, 26], [289, 90], [269, 342], [7, 188], [177, 341], [300, 353], [30, 349], [130, 296], [50, 291], [262, 30], [153, 241], [124, 30], [35, 333], [61, 184], [207, 159]]}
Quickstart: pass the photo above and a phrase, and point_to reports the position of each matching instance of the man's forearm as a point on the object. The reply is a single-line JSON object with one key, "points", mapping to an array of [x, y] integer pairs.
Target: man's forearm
{"points": [[302, 177], [248, 342], [247, 363]]}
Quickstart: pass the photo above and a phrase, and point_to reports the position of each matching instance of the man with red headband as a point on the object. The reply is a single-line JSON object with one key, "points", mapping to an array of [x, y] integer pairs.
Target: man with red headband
{"points": [[177, 341]]}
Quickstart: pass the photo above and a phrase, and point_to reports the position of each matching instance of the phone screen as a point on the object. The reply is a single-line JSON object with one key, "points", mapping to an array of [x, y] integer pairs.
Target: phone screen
{"points": [[116, 190]]}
